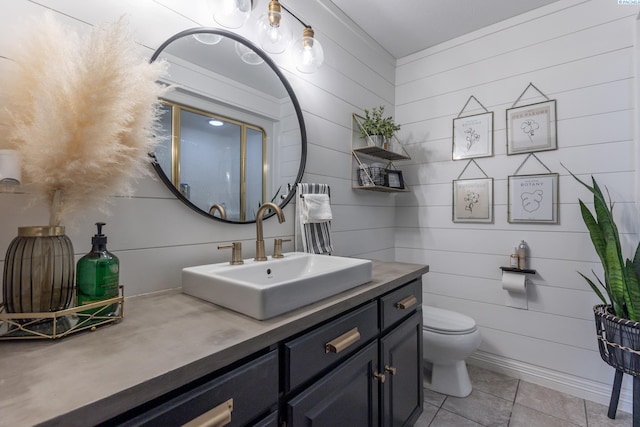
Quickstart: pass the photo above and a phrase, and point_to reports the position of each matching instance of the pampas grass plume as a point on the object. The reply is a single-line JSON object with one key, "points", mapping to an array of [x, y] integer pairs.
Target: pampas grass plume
{"points": [[81, 111]]}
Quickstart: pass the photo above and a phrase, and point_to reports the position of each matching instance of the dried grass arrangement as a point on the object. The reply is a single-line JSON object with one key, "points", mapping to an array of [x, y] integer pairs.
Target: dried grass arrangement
{"points": [[82, 112]]}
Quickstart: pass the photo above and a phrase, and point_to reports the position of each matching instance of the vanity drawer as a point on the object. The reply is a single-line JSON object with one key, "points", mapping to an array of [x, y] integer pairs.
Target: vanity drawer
{"points": [[400, 303], [239, 396], [326, 345]]}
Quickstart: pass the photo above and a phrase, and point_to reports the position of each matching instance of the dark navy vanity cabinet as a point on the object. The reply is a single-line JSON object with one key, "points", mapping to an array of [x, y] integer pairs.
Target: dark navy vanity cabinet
{"points": [[360, 368]]}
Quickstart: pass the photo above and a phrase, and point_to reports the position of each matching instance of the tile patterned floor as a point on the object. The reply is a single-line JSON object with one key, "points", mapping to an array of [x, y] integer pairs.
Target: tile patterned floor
{"points": [[501, 401]]}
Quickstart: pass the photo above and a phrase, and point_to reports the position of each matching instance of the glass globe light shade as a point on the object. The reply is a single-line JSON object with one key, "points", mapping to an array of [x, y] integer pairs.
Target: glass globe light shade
{"points": [[206, 38], [274, 33], [309, 55], [247, 55], [232, 13]]}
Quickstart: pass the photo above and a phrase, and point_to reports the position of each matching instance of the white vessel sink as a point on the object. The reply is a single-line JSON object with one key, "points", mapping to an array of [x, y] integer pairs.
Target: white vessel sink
{"points": [[263, 289]]}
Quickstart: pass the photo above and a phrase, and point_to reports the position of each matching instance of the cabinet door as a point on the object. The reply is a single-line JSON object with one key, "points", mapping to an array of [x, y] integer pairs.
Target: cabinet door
{"points": [[401, 361], [347, 396]]}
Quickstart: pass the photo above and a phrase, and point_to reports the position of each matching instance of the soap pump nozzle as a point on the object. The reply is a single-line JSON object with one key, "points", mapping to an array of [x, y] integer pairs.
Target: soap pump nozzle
{"points": [[99, 240]]}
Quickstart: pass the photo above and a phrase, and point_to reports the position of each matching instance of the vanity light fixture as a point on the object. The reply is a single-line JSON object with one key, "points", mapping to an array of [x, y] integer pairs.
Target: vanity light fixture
{"points": [[232, 13], [309, 54], [274, 33]]}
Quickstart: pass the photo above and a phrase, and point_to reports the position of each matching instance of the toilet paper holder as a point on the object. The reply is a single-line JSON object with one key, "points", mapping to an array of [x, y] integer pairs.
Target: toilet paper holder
{"points": [[514, 284]]}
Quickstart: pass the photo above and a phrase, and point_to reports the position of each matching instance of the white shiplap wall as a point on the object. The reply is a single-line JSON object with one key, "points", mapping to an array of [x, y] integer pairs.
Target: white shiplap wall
{"points": [[581, 53], [152, 233]]}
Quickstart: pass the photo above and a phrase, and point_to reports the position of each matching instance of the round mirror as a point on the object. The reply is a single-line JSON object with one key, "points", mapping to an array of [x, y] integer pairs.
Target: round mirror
{"points": [[233, 135]]}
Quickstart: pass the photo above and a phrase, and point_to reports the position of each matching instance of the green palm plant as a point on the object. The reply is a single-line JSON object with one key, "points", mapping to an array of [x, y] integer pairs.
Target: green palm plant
{"points": [[621, 277]]}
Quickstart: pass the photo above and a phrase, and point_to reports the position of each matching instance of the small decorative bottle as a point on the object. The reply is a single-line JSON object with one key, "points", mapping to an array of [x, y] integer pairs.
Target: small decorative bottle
{"points": [[97, 275], [513, 258], [522, 255]]}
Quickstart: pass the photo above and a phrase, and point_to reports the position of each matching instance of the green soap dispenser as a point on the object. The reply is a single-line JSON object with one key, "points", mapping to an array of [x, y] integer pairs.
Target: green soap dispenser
{"points": [[97, 275]]}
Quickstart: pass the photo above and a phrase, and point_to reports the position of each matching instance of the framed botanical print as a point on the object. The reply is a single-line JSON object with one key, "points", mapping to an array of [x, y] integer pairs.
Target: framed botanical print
{"points": [[473, 200], [473, 136], [532, 128], [533, 198]]}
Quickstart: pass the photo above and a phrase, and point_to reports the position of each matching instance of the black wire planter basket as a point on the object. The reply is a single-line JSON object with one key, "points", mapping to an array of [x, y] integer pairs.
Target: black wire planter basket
{"points": [[619, 345]]}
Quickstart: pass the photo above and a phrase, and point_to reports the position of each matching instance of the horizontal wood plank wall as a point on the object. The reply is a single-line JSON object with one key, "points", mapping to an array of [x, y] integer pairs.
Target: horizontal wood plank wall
{"points": [[583, 54], [153, 234]]}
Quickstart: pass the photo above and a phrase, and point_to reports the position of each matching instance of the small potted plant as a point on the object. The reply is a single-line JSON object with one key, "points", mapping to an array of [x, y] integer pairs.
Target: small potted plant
{"points": [[377, 128]]}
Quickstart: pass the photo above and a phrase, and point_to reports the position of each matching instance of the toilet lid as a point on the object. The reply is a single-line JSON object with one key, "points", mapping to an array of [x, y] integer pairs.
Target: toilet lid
{"points": [[438, 319]]}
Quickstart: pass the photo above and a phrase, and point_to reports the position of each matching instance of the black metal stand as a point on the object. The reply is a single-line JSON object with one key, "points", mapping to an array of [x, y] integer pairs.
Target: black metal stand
{"points": [[615, 396]]}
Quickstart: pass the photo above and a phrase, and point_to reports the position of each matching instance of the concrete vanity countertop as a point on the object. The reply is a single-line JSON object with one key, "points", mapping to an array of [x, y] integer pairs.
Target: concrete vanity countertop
{"points": [[165, 340]]}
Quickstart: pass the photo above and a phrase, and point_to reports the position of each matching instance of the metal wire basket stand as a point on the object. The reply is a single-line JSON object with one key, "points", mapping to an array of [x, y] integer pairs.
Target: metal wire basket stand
{"points": [[619, 345]]}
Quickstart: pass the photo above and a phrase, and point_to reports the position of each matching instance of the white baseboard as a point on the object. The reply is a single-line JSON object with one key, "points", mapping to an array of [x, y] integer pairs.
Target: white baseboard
{"points": [[575, 386]]}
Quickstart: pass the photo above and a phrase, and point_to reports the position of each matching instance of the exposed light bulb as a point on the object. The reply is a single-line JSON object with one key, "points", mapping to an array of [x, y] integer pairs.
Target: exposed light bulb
{"points": [[274, 33], [308, 52], [232, 13]]}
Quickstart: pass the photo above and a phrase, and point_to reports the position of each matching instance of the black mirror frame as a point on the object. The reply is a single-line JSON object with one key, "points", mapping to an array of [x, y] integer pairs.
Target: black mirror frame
{"points": [[303, 133]]}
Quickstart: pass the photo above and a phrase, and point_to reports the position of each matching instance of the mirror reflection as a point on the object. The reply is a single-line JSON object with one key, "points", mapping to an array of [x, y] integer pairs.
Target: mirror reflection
{"points": [[233, 133]]}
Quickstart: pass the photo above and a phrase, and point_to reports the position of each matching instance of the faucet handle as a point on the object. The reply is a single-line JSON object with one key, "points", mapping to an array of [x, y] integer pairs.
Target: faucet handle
{"points": [[277, 247], [236, 252]]}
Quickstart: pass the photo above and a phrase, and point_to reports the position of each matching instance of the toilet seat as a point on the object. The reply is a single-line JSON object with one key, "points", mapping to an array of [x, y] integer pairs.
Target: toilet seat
{"points": [[446, 322]]}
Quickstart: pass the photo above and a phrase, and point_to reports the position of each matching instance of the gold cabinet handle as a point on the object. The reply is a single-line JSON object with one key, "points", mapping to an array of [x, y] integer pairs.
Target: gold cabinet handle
{"points": [[217, 417], [338, 344], [390, 369], [406, 303], [380, 377]]}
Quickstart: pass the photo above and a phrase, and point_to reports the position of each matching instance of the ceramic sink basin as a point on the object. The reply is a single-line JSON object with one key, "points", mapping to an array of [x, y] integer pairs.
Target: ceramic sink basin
{"points": [[264, 289]]}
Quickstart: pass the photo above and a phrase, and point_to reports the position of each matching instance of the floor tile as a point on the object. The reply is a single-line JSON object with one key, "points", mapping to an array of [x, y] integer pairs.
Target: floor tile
{"points": [[434, 398], [521, 416], [447, 419], [493, 383], [480, 407], [597, 416], [552, 402], [428, 414]]}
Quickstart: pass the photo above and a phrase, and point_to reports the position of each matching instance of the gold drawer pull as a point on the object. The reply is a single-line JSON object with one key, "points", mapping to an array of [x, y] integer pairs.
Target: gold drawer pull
{"points": [[380, 377], [217, 417], [407, 302], [336, 345], [390, 369]]}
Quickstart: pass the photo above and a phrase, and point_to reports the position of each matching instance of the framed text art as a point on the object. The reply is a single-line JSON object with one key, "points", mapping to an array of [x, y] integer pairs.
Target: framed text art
{"points": [[533, 199], [473, 200], [394, 179], [532, 128], [473, 136]]}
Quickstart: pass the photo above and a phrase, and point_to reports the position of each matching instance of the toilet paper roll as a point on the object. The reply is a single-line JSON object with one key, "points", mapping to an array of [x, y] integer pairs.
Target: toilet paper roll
{"points": [[10, 167], [515, 283]]}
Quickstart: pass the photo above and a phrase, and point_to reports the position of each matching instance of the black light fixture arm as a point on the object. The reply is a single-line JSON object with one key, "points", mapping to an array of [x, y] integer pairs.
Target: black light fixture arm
{"points": [[294, 15]]}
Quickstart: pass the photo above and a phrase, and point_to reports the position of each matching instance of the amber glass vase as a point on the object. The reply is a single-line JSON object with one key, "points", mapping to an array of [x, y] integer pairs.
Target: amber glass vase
{"points": [[38, 271]]}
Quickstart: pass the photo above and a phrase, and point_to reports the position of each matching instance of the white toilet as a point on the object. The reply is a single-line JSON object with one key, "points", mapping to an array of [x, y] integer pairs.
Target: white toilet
{"points": [[448, 338]]}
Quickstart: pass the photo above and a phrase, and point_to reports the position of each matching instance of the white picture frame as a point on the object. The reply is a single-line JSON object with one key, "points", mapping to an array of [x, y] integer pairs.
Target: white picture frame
{"points": [[473, 200], [473, 136], [533, 199], [532, 128]]}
